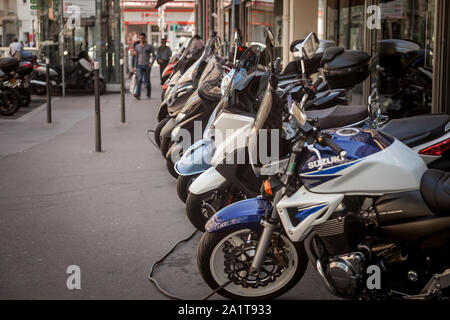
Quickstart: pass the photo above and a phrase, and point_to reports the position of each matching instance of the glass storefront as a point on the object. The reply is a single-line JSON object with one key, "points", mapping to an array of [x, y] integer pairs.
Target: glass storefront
{"points": [[97, 31], [402, 49], [257, 16]]}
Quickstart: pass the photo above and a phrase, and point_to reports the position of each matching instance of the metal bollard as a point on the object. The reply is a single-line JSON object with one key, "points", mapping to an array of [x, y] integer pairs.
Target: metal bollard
{"points": [[98, 134], [122, 92], [49, 91]]}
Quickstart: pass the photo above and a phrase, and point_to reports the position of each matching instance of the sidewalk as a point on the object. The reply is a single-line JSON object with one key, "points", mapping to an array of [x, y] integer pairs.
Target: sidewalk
{"points": [[112, 214]]}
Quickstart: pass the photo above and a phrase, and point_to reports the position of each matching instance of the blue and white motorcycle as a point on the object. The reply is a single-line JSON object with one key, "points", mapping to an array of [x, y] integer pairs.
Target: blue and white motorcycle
{"points": [[358, 203]]}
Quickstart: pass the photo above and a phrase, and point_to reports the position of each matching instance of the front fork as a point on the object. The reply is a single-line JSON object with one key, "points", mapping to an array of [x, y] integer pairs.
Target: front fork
{"points": [[270, 223]]}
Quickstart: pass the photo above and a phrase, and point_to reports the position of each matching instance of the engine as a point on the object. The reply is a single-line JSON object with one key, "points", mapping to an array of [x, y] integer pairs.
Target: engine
{"points": [[345, 271]]}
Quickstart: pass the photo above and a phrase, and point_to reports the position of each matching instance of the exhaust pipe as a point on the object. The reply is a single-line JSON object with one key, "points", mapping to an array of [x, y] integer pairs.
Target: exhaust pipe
{"points": [[38, 83], [42, 83]]}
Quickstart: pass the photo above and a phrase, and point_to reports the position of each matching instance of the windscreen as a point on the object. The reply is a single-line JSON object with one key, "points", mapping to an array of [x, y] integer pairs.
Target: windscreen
{"points": [[209, 84], [241, 95]]}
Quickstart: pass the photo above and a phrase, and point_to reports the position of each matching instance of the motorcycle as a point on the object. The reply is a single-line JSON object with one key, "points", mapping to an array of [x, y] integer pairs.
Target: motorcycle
{"points": [[12, 90], [402, 78], [80, 76], [355, 202], [179, 85]]}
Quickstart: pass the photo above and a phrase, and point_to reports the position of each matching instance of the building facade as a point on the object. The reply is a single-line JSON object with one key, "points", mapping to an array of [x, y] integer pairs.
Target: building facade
{"points": [[9, 28], [86, 25], [352, 24], [174, 21]]}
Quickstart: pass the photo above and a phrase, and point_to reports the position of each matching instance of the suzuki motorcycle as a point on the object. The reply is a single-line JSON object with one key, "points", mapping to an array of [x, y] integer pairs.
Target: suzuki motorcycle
{"points": [[358, 203]]}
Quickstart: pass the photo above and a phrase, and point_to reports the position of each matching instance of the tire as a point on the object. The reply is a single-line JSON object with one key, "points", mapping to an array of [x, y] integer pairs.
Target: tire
{"points": [[183, 184], [158, 131], [201, 207], [25, 97], [166, 143], [38, 90], [10, 102], [171, 168], [209, 256]]}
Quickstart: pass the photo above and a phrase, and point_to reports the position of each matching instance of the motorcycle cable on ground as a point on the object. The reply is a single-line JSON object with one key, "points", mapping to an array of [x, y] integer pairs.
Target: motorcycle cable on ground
{"points": [[150, 139], [153, 280], [150, 276]]}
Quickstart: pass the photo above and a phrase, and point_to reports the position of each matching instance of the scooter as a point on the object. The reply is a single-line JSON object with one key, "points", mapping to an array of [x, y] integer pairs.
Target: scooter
{"points": [[240, 183], [180, 85], [190, 122], [355, 202], [184, 92], [80, 76]]}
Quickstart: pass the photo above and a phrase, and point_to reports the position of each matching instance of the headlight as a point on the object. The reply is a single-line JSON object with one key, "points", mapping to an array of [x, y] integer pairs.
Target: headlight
{"points": [[175, 133], [210, 134], [224, 85], [180, 117]]}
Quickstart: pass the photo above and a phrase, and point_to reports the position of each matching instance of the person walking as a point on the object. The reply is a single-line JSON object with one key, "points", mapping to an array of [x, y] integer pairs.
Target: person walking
{"points": [[163, 55], [15, 49], [142, 68]]}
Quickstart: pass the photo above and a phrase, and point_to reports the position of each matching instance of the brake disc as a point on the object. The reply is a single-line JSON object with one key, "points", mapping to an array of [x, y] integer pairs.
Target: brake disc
{"points": [[238, 260]]}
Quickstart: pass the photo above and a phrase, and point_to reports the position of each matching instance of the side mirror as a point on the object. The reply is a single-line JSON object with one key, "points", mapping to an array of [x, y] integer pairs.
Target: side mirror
{"points": [[308, 47]]}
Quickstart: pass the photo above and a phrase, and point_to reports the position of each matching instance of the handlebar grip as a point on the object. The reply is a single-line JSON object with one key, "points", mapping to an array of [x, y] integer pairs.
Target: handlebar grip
{"points": [[328, 142]]}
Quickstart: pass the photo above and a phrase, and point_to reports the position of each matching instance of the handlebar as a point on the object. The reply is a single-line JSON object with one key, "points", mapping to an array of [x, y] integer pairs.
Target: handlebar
{"points": [[325, 141]]}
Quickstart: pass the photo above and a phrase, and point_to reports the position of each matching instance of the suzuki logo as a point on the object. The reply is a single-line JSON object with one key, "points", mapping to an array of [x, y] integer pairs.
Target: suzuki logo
{"points": [[325, 161]]}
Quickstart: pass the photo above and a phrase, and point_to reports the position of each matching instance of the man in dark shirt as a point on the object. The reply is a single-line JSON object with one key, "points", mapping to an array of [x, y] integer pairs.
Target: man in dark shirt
{"points": [[163, 55], [144, 53]]}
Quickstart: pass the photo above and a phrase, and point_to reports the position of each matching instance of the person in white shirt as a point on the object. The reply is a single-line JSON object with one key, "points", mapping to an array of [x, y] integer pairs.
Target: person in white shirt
{"points": [[15, 49]]}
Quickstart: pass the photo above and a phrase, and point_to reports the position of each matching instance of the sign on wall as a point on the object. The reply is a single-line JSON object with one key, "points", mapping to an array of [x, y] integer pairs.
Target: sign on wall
{"points": [[86, 8]]}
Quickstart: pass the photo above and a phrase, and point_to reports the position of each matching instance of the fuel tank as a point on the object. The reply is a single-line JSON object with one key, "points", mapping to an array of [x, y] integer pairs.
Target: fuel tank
{"points": [[376, 164]]}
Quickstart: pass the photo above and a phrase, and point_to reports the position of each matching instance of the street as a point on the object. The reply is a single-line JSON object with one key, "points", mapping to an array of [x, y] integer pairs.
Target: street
{"points": [[112, 213]]}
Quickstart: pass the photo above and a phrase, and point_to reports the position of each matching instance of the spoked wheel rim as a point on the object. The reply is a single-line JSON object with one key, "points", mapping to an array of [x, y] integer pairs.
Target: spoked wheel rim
{"points": [[239, 238]]}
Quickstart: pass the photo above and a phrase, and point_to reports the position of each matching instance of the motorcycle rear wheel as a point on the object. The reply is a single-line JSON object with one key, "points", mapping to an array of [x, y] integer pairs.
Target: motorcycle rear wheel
{"points": [[10, 102], [211, 263]]}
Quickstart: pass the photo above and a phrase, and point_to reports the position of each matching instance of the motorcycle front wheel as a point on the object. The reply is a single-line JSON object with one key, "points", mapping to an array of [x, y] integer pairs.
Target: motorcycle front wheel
{"points": [[9, 102], [227, 256], [183, 184], [25, 97]]}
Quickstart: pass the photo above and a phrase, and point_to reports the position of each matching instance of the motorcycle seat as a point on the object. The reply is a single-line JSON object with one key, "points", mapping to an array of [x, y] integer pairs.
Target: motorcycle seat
{"points": [[435, 190], [331, 53], [338, 116], [417, 130]]}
